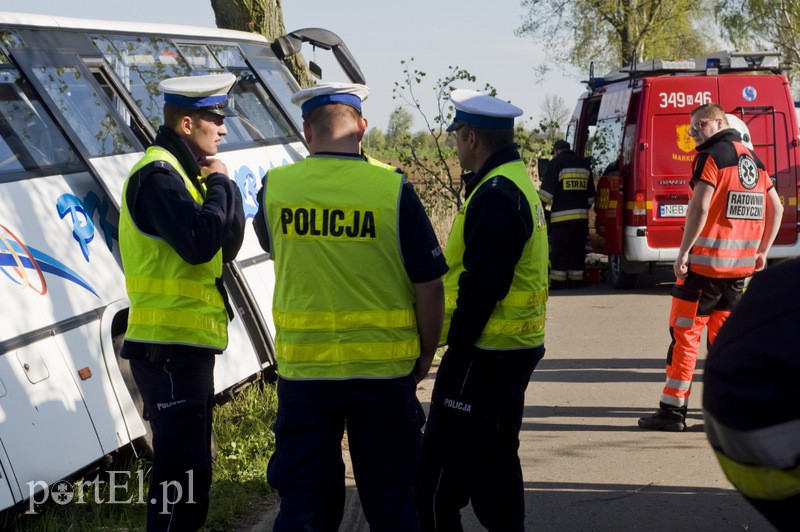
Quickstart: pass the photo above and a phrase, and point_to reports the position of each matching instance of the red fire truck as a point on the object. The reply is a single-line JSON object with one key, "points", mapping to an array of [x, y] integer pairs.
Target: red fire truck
{"points": [[633, 125]]}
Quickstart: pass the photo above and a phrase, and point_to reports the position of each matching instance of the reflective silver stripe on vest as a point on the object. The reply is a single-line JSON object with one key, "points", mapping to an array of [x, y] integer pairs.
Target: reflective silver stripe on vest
{"points": [[545, 195], [721, 243], [722, 262], [777, 446]]}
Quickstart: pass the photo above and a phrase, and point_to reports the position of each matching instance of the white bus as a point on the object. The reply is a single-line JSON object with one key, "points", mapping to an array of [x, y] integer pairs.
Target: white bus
{"points": [[79, 103]]}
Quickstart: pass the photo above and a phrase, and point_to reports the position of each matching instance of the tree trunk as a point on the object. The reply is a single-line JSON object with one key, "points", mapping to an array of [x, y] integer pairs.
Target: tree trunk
{"points": [[264, 17]]}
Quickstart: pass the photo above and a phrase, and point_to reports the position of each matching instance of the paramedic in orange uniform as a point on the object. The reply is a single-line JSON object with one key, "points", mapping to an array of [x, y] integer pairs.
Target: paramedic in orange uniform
{"points": [[733, 217]]}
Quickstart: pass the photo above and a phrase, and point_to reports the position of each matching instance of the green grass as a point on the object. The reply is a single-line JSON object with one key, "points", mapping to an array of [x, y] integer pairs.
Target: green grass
{"points": [[243, 430]]}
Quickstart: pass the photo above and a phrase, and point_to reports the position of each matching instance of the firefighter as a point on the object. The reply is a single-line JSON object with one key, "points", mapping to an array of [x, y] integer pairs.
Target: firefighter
{"points": [[732, 219], [568, 189], [751, 406], [495, 298], [358, 308], [181, 220]]}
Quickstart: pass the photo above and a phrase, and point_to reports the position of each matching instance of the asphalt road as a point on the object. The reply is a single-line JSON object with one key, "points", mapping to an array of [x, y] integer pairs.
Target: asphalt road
{"points": [[587, 466]]}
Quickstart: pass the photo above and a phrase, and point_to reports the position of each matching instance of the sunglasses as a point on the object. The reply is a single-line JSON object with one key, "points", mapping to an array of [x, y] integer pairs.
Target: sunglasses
{"points": [[700, 124]]}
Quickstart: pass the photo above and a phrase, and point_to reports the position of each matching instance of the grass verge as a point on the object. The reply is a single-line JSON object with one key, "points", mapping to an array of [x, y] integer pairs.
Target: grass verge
{"points": [[243, 431]]}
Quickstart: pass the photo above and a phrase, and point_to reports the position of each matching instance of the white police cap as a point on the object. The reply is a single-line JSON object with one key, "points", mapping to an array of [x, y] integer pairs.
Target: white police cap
{"points": [[481, 110], [208, 92], [331, 92], [734, 122]]}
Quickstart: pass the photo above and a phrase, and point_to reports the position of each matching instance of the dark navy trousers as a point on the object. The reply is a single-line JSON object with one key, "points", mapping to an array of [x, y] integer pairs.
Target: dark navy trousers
{"points": [[471, 442], [383, 420], [178, 398]]}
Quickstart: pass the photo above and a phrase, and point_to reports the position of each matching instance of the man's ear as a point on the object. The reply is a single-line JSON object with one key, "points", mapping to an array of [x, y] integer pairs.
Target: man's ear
{"points": [[307, 130], [186, 124], [472, 139], [362, 128]]}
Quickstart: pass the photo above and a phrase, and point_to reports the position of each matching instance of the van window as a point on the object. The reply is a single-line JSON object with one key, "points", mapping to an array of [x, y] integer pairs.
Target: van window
{"points": [[28, 137], [605, 143], [83, 110]]}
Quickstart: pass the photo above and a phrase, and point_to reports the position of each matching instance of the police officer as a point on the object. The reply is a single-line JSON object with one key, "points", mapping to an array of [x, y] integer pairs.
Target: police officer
{"points": [[495, 298], [732, 219], [751, 407], [358, 309], [568, 189], [181, 220]]}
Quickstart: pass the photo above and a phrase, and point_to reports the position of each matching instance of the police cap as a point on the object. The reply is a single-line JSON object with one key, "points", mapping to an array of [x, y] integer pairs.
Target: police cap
{"points": [[351, 94], [207, 93], [481, 110]]}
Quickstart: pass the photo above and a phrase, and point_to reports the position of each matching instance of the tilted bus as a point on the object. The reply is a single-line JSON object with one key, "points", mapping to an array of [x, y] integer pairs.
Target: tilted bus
{"points": [[79, 103]]}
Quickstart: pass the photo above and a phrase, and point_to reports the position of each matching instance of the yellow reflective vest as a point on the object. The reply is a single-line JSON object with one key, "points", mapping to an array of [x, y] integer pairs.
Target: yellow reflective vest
{"points": [[343, 305], [517, 321], [172, 301]]}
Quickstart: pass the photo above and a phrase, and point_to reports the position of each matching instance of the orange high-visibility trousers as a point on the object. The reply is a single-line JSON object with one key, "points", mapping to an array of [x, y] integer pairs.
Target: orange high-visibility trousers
{"points": [[686, 328]]}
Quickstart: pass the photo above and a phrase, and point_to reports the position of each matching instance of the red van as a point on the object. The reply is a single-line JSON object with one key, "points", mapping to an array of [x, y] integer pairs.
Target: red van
{"points": [[633, 125]]}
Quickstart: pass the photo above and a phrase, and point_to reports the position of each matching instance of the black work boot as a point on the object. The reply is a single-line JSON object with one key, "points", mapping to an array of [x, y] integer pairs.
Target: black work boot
{"points": [[667, 418]]}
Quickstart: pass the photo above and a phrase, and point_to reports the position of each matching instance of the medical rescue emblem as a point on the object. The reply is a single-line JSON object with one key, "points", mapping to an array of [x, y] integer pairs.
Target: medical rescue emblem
{"points": [[748, 172], [685, 142]]}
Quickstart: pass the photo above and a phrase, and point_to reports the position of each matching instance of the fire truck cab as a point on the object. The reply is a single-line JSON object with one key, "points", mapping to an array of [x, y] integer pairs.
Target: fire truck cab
{"points": [[633, 126]]}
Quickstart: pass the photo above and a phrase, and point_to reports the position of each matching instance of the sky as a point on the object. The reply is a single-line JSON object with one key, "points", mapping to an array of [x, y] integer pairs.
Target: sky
{"points": [[475, 35]]}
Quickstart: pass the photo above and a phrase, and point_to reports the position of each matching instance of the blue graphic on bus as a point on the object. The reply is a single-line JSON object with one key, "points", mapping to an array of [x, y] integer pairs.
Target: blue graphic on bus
{"points": [[16, 258], [81, 214], [249, 183]]}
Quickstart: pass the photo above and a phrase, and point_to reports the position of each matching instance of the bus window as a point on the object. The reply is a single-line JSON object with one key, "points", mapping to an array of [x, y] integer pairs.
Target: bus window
{"points": [[228, 55], [28, 137], [140, 130], [75, 98], [257, 118], [141, 63], [283, 86], [10, 39], [199, 57]]}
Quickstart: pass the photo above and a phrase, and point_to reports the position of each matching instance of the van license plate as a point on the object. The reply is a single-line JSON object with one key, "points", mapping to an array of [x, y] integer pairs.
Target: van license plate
{"points": [[673, 210]]}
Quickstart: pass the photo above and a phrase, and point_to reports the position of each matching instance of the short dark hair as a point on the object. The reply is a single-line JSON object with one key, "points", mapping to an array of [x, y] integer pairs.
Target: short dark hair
{"points": [[327, 118], [491, 138], [174, 113]]}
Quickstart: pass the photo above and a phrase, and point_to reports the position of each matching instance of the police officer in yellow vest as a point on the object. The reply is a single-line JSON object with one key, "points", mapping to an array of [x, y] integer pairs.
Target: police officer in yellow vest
{"points": [[181, 219], [495, 296], [358, 310]]}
